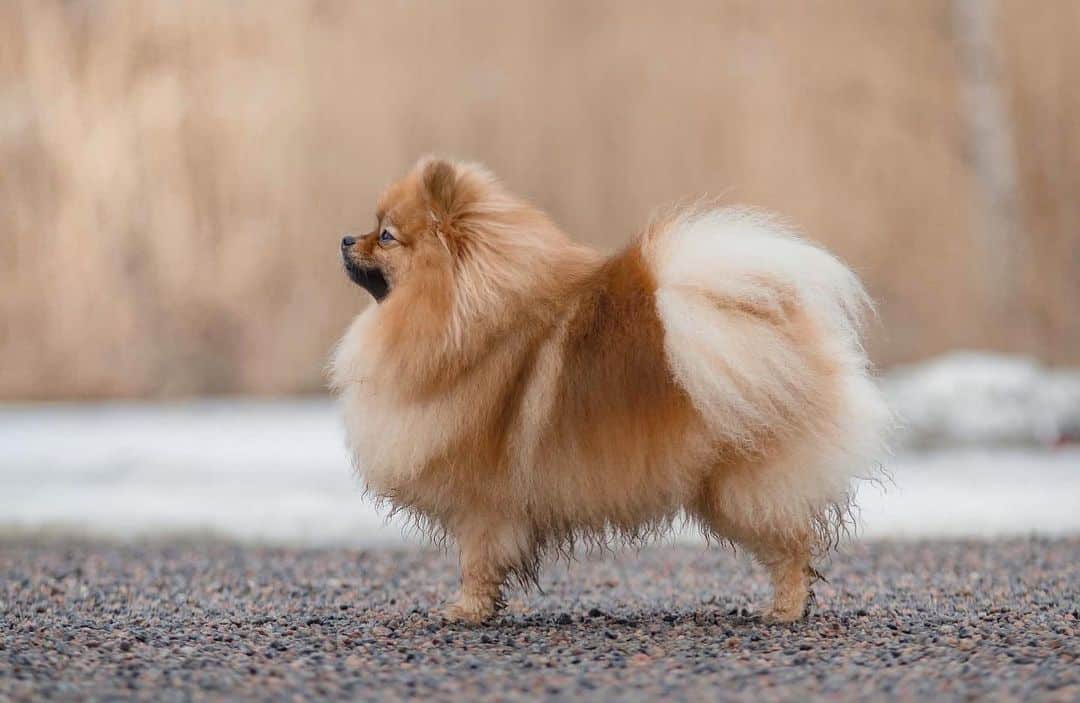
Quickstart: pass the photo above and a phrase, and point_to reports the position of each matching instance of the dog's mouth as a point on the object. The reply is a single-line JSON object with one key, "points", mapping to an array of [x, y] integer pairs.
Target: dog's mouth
{"points": [[370, 278]]}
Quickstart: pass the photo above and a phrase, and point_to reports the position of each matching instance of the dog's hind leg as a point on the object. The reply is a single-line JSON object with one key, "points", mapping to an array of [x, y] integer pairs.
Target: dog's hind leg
{"points": [[786, 557], [788, 563], [490, 551], [781, 543]]}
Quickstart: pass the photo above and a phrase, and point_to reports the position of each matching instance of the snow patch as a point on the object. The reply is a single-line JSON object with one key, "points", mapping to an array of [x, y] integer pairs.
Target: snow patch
{"points": [[978, 399], [997, 463]]}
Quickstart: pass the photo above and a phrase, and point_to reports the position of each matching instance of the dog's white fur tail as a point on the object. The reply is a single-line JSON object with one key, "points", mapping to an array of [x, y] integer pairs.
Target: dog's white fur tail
{"points": [[742, 299]]}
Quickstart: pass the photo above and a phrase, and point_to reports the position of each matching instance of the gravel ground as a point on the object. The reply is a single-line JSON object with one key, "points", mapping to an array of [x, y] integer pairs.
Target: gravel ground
{"points": [[190, 620]]}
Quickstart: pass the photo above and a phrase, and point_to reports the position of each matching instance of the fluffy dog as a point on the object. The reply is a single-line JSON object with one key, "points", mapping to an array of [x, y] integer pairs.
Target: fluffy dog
{"points": [[519, 392]]}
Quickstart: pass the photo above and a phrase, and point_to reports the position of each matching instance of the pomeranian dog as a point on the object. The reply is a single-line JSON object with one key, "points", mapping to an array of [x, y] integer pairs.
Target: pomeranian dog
{"points": [[520, 393]]}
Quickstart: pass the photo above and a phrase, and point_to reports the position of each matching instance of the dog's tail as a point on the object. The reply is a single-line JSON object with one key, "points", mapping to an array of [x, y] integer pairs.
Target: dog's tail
{"points": [[763, 332]]}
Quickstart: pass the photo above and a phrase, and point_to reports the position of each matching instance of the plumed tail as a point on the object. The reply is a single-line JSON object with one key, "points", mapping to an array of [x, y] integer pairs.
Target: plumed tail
{"points": [[763, 332]]}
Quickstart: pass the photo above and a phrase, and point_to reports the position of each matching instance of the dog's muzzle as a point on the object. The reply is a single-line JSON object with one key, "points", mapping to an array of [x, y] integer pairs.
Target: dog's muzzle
{"points": [[370, 278]]}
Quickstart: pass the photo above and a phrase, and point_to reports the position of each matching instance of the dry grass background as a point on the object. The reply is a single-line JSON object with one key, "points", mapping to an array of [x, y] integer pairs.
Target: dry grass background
{"points": [[174, 177]]}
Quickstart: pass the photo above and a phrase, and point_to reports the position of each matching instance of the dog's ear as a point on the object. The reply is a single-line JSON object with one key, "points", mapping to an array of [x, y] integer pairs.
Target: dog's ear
{"points": [[440, 182]]}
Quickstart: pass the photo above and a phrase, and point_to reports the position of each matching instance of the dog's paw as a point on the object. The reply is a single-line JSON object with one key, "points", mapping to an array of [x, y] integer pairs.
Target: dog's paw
{"points": [[781, 617], [785, 616], [466, 612], [787, 611]]}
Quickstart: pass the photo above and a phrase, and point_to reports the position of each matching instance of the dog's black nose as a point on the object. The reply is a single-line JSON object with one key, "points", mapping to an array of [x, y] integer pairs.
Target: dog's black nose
{"points": [[347, 241]]}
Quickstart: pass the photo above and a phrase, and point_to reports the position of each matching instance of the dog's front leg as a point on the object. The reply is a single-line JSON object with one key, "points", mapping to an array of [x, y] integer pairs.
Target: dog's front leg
{"points": [[489, 550]]}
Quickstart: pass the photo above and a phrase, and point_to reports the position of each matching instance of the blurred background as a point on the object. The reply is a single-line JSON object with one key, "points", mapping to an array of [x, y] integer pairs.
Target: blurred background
{"points": [[175, 178]]}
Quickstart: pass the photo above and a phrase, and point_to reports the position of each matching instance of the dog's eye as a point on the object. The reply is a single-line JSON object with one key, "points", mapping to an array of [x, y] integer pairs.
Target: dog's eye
{"points": [[385, 236]]}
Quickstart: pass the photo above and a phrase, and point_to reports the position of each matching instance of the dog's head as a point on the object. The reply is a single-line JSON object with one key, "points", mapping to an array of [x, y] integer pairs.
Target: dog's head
{"points": [[454, 259], [416, 236]]}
